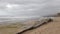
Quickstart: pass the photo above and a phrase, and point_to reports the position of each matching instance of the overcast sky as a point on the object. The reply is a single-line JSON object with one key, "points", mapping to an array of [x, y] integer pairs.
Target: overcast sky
{"points": [[30, 8]]}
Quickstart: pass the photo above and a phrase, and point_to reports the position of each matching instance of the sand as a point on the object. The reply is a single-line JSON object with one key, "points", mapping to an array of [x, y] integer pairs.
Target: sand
{"points": [[50, 28]]}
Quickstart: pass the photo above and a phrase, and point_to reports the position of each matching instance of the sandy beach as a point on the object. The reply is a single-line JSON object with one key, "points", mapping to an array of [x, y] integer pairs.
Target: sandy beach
{"points": [[50, 28]]}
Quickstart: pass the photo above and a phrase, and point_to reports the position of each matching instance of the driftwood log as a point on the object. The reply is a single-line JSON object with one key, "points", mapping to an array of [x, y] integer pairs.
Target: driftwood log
{"points": [[37, 24]]}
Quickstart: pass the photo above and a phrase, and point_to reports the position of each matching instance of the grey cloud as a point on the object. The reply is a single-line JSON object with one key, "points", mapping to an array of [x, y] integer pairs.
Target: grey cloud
{"points": [[30, 7]]}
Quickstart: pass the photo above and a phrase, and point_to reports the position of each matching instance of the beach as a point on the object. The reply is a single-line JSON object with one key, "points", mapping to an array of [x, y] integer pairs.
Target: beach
{"points": [[49, 28]]}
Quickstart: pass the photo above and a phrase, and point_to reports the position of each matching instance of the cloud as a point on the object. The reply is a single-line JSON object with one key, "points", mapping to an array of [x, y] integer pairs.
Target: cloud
{"points": [[11, 6], [29, 7]]}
